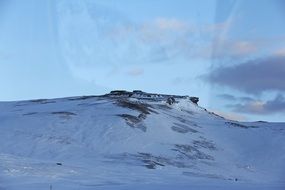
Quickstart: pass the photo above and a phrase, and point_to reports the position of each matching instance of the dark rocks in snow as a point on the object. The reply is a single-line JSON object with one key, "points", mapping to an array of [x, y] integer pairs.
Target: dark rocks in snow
{"points": [[205, 175], [66, 113], [135, 121], [170, 100], [30, 113], [181, 128], [233, 124], [142, 116], [262, 121], [121, 93], [81, 98], [216, 115], [118, 92], [191, 152], [151, 161], [137, 106], [204, 144], [42, 101], [59, 164], [195, 100], [138, 92]]}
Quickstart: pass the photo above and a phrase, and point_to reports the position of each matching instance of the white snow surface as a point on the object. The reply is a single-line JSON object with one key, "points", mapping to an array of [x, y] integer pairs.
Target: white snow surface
{"points": [[106, 142]]}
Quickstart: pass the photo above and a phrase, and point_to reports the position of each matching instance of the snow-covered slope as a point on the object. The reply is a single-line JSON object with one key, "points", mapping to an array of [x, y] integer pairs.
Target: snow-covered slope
{"points": [[134, 140]]}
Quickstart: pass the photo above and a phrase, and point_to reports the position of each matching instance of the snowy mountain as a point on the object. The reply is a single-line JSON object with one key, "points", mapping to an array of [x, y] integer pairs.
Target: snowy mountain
{"points": [[135, 140]]}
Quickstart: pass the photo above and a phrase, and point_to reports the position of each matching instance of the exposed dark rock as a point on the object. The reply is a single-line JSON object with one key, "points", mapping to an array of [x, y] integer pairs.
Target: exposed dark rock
{"points": [[204, 144], [170, 100], [205, 175], [138, 106], [195, 100], [142, 116], [191, 152], [135, 121], [216, 115], [81, 98], [42, 101], [64, 113], [184, 121], [30, 113], [262, 121], [144, 95], [151, 161], [130, 118], [181, 128], [162, 106], [233, 124], [120, 93], [138, 92]]}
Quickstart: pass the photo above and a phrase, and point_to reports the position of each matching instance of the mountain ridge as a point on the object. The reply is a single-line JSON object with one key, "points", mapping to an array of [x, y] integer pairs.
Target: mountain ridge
{"points": [[123, 139]]}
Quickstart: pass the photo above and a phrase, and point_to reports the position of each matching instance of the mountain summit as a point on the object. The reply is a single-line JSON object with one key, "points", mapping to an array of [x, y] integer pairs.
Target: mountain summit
{"points": [[132, 140]]}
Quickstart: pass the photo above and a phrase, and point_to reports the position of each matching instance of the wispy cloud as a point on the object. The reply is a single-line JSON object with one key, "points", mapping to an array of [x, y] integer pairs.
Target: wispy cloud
{"points": [[95, 38], [135, 72], [171, 24], [228, 97], [168, 38], [280, 52]]}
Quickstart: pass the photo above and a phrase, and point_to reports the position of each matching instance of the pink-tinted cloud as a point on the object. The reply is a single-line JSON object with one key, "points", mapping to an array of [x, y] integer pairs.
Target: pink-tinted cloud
{"points": [[261, 107]]}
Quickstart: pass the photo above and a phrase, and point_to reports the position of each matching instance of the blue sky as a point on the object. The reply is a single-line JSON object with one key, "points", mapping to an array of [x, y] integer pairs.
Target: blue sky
{"points": [[229, 53]]}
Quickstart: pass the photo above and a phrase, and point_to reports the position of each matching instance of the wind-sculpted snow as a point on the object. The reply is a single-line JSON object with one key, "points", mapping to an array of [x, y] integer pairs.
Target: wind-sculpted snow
{"points": [[135, 141]]}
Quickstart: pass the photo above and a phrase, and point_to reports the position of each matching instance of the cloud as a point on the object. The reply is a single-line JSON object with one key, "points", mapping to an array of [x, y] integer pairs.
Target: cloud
{"points": [[233, 49], [163, 39], [210, 50], [135, 72], [280, 52], [243, 47], [230, 97], [254, 76], [261, 107], [246, 99], [94, 39], [227, 97], [171, 24]]}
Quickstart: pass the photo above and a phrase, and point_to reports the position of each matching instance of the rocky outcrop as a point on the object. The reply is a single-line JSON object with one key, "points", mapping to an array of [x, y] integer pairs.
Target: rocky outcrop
{"points": [[195, 100], [170, 99]]}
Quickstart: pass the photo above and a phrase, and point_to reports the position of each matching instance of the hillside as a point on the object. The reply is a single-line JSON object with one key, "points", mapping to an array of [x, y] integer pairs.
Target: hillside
{"points": [[132, 140]]}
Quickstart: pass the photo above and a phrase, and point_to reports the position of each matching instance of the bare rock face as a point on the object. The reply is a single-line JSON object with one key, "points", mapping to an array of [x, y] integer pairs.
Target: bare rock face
{"points": [[120, 93], [195, 100], [170, 100]]}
